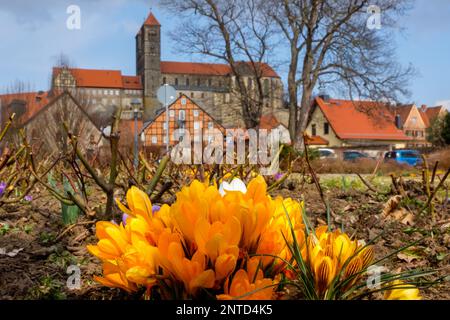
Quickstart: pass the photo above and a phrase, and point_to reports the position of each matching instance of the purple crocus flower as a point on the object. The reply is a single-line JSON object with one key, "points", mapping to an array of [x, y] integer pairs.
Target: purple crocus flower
{"points": [[2, 187], [28, 198], [278, 176], [125, 216], [124, 219]]}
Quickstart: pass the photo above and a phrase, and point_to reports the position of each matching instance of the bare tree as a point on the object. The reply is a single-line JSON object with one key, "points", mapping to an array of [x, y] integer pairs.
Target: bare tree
{"points": [[231, 31], [331, 46]]}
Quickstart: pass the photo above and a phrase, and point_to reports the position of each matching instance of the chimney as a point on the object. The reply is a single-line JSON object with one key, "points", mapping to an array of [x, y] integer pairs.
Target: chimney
{"points": [[325, 97], [398, 121]]}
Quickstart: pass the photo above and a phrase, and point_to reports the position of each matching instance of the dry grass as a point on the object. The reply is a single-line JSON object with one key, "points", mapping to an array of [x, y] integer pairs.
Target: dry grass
{"points": [[362, 166], [443, 156]]}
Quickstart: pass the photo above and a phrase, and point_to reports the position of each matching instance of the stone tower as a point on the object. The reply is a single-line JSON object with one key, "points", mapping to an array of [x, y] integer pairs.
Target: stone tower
{"points": [[148, 63]]}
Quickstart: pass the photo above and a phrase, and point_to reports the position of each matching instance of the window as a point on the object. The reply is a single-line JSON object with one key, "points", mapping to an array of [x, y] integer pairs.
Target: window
{"points": [[94, 101], [209, 83], [250, 83], [313, 130], [165, 139], [117, 92], [154, 139], [182, 115], [198, 82], [227, 98], [165, 125], [183, 102], [413, 120], [187, 82], [266, 87], [196, 125], [195, 113], [176, 81], [172, 113], [164, 80], [326, 128], [210, 125], [203, 95], [192, 95]]}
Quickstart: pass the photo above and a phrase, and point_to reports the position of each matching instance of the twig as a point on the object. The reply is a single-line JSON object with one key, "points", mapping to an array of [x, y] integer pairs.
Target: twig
{"points": [[315, 179], [370, 187], [430, 199], [71, 227], [162, 166]]}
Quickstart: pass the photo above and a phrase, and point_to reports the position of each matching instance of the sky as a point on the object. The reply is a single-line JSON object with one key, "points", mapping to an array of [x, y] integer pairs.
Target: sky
{"points": [[34, 33]]}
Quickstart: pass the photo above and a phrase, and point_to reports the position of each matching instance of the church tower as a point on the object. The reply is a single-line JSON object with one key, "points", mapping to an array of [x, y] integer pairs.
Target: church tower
{"points": [[148, 63]]}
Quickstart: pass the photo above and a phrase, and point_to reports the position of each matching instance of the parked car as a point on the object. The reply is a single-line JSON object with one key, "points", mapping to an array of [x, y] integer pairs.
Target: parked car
{"points": [[411, 157], [354, 155], [327, 153]]}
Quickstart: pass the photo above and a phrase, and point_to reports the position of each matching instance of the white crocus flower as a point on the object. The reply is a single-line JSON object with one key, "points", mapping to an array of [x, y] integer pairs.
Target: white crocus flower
{"points": [[235, 185]]}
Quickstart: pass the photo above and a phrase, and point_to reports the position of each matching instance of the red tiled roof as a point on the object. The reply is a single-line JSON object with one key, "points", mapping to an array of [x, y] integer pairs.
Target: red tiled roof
{"points": [[151, 21], [403, 112], [132, 82], [316, 141], [34, 102], [215, 69], [360, 120], [92, 78], [433, 113], [268, 122], [424, 117]]}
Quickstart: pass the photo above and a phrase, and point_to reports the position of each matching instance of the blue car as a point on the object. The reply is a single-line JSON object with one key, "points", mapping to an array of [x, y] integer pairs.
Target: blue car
{"points": [[410, 157], [354, 155]]}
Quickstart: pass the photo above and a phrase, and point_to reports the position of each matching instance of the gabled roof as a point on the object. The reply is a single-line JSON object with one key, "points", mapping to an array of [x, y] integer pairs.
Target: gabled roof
{"points": [[163, 110], [34, 102], [212, 69], [403, 112], [268, 121], [94, 78], [356, 120], [433, 112], [151, 20], [424, 117], [54, 100]]}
